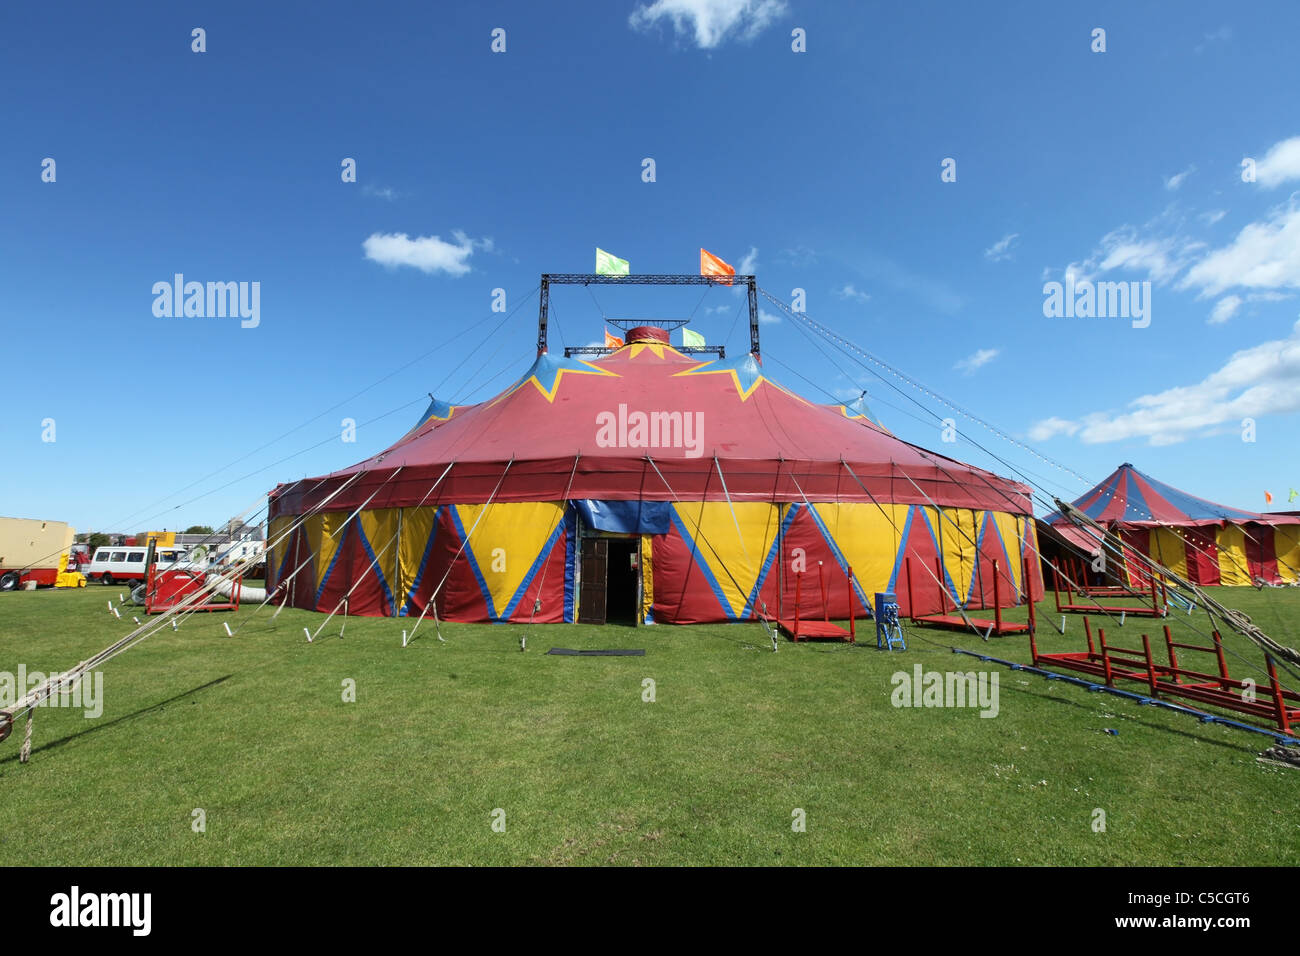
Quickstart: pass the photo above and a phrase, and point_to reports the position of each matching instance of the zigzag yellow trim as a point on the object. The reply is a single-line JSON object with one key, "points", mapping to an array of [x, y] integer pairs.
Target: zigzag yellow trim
{"points": [[550, 396], [657, 348], [451, 410], [559, 374], [703, 369]]}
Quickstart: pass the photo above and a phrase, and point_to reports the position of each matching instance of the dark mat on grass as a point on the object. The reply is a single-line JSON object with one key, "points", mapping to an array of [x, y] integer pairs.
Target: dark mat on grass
{"points": [[618, 652]]}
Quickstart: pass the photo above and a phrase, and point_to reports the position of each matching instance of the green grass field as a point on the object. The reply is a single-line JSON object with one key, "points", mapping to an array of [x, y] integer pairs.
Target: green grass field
{"points": [[254, 731]]}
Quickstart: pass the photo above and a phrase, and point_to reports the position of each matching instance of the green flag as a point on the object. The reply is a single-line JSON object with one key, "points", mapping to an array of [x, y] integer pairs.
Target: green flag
{"points": [[609, 265], [691, 337]]}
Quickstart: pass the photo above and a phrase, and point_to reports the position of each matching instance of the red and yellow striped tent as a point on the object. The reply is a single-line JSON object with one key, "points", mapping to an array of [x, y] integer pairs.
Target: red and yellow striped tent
{"points": [[652, 485], [1201, 541]]}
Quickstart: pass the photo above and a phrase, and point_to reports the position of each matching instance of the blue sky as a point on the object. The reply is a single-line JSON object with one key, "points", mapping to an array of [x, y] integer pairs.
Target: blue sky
{"points": [[820, 169]]}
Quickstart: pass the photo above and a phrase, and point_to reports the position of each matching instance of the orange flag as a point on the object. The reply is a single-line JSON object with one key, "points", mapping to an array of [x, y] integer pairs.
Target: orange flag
{"points": [[612, 341], [711, 265], [1268, 497]]}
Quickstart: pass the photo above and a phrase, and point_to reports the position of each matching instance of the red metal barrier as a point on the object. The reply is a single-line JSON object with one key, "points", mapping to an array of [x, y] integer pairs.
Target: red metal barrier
{"points": [[1112, 663]]}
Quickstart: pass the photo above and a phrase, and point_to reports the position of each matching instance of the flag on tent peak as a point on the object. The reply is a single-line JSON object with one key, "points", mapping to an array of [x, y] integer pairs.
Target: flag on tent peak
{"points": [[711, 265], [1268, 497], [612, 341], [608, 264], [691, 337]]}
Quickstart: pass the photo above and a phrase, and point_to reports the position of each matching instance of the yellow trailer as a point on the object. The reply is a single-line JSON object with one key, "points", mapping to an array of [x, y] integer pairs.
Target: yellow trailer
{"points": [[34, 551]]}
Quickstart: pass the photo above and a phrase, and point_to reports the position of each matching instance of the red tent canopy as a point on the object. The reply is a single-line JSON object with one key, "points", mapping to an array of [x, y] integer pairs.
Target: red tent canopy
{"points": [[1129, 498], [644, 411]]}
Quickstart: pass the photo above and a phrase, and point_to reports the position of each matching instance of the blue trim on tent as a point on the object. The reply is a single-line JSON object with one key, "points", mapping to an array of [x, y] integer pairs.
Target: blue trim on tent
{"points": [[838, 555], [374, 565], [979, 552], [975, 565], [902, 549], [699, 561], [333, 561], [1104, 495], [1136, 507], [625, 517], [770, 560], [570, 536], [948, 583], [547, 547], [473, 565], [424, 563], [1198, 509], [292, 539]]}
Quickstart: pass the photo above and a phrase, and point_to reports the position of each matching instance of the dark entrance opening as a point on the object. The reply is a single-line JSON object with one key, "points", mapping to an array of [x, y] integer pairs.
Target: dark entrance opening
{"points": [[610, 575], [621, 582]]}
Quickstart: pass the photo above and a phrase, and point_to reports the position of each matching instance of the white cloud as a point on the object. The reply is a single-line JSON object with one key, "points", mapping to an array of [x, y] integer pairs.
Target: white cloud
{"points": [[977, 360], [1002, 248], [710, 22], [849, 292], [1161, 259], [1225, 309], [767, 318], [426, 253], [749, 264], [1264, 255], [1229, 305], [1048, 427], [386, 193], [1177, 179], [1261, 380], [1280, 164]]}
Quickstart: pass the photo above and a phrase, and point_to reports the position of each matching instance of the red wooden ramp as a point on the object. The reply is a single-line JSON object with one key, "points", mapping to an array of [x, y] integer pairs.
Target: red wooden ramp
{"points": [[804, 629], [996, 626], [814, 630]]}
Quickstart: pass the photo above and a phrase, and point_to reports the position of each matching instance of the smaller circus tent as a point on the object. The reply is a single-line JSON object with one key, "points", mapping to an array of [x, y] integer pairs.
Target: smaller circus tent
{"points": [[670, 488], [1201, 541]]}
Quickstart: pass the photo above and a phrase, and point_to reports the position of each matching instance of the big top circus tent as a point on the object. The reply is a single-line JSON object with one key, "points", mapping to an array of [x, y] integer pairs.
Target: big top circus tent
{"points": [[1202, 541], [654, 483]]}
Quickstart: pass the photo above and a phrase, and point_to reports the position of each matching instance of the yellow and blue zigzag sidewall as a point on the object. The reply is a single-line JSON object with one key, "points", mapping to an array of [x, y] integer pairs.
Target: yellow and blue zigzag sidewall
{"points": [[721, 552], [379, 530], [507, 547], [415, 549], [855, 531], [281, 548]]}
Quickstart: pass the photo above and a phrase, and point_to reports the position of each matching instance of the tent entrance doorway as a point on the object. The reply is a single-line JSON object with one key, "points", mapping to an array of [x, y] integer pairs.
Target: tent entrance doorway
{"points": [[611, 581]]}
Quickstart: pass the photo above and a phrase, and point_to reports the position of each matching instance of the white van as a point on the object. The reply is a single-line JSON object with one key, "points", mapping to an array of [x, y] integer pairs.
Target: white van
{"points": [[110, 565]]}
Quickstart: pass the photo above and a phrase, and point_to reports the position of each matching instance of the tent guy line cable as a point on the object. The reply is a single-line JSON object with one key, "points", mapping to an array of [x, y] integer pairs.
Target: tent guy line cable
{"points": [[61, 681], [1003, 462], [546, 566], [283, 585], [433, 598], [847, 346], [699, 530], [379, 381]]}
